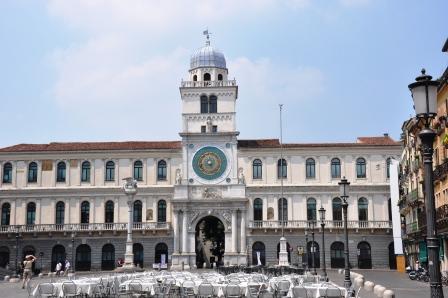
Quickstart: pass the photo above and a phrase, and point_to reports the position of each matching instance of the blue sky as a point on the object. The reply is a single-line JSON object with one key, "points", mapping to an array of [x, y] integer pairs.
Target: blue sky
{"points": [[97, 70]]}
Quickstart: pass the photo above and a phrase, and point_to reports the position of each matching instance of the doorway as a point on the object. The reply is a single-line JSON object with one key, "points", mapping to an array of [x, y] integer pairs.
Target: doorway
{"points": [[210, 240]]}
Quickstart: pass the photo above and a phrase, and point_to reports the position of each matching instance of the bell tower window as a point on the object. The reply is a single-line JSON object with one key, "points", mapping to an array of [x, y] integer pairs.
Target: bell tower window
{"points": [[204, 104], [209, 104], [213, 106], [195, 78], [219, 77], [207, 76]]}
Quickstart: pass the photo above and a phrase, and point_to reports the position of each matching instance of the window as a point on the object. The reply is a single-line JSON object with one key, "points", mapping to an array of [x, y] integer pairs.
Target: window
{"points": [[363, 209], [60, 175], [108, 257], [311, 209], [282, 209], [6, 214], [282, 168], [161, 170], [60, 212], [110, 171], [310, 168], [85, 212], [215, 128], [388, 168], [337, 255], [204, 104], [161, 211], [195, 78], [213, 104], [258, 209], [7, 173], [31, 213], [109, 212], [85, 172], [337, 209], [257, 166], [203, 129], [360, 168], [335, 168], [389, 209], [207, 76], [364, 255], [137, 211], [32, 172], [219, 77], [138, 170]]}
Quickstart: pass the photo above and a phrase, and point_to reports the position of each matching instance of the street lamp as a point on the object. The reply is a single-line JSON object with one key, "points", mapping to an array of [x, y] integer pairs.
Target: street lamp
{"points": [[130, 189], [313, 248], [424, 95], [73, 254], [17, 254], [322, 224], [306, 249], [343, 188]]}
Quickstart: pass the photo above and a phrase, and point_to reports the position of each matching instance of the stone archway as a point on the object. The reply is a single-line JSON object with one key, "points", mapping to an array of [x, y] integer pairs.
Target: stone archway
{"points": [[209, 241]]}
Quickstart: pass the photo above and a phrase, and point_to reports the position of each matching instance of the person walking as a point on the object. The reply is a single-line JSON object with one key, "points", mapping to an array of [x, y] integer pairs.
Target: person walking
{"points": [[27, 269], [67, 267]]}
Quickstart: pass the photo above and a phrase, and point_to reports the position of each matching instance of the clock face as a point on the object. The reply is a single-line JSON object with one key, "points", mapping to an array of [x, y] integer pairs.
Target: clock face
{"points": [[209, 163]]}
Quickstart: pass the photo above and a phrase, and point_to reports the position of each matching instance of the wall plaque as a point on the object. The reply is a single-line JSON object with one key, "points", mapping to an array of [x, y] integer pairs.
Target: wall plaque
{"points": [[47, 165], [270, 213], [149, 215]]}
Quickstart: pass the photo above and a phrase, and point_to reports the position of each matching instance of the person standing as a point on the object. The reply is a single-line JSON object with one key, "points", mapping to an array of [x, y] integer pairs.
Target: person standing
{"points": [[58, 268], [27, 269], [67, 267]]}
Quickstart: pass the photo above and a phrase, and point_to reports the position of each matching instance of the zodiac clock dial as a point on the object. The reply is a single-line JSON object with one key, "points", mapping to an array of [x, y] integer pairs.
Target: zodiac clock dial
{"points": [[209, 163]]}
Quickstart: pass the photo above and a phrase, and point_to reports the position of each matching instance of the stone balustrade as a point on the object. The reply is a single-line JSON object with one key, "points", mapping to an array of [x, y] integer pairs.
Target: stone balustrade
{"points": [[329, 224]]}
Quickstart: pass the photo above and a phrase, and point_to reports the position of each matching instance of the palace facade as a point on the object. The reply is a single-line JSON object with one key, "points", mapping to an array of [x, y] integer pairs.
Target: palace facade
{"points": [[65, 200]]}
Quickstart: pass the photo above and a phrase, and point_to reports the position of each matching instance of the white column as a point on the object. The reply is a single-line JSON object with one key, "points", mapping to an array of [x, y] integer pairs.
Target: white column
{"points": [[184, 232], [175, 232], [234, 228], [243, 232]]}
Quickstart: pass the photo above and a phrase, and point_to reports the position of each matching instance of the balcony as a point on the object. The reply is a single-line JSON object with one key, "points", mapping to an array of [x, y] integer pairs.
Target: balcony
{"points": [[441, 171], [442, 217], [85, 227], [329, 224], [412, 227], [206, 84]]}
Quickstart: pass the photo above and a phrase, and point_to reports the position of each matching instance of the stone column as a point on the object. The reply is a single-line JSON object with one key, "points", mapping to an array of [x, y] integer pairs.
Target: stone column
{"points": [[243, 232], [184, 233], [234, 232], [175, 232]]}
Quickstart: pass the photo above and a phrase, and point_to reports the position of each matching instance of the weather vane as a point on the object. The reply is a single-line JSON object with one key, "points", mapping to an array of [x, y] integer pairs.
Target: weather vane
{"points": [[207, 34]]}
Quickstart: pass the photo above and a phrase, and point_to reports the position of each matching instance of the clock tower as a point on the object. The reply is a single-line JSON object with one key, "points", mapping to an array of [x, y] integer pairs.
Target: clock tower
{"points": [[209, 183]]}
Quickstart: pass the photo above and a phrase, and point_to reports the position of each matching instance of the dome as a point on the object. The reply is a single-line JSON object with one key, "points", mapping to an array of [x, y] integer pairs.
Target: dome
{"points": [[207, 57]]}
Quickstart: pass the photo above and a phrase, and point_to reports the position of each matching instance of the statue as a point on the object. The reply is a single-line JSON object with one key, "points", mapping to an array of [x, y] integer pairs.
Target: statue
{"points": [[178, 177], [241, 178], [130, 186]]}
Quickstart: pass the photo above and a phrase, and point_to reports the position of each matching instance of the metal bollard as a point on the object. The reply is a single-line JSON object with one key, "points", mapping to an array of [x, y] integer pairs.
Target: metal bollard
{"points": [[183, 265], [388, 294]]}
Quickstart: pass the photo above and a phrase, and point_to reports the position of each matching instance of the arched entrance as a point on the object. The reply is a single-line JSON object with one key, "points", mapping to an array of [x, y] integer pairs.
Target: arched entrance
{"points": [[29, 250], [337, 255], [83, 258], [4, 256], [57, 255], [392, 257], [364, 256], [210, 240], [108, 257], [258, 251], [137, 250], [313, 249]]}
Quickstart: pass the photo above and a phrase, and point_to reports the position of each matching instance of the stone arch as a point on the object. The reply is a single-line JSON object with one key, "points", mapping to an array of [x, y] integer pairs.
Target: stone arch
{"points": [[225, 216]]}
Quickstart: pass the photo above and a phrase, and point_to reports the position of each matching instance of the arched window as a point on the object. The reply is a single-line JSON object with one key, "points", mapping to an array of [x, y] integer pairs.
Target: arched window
{"points": [[108, 257], [160, 250], [258, 254], [161, 170], [85, 212], [7, 173], [282, 209], [388, 161], [138, 170], [258, 209], [60, 175], [335, 168], [32, 172], [219, 77], [311, 209], [361, 168], [363, 209], [337, 209], [31, 213], [207, 76], [213, 104], [83, 258], [337, 255], [364, 255], [57, 255], [6, 214], [137, 211], [389, 209], [161, 211], [313, 249], [310, 168], [282, 168], [257, 166], [110, 171], [85, 171], [195, 78], [204, 104], [109, 212], [60, 213], [137, 250]]}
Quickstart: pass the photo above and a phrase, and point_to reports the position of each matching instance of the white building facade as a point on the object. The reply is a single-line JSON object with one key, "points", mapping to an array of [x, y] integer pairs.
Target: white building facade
{"points": [[65, 199]]}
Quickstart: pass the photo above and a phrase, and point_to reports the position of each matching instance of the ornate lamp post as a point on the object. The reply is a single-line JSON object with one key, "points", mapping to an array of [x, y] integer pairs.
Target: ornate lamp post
{"points": [[313, 248], [424, 94], [130, 189], [343, 187], [322, 224], [72, 269]]}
